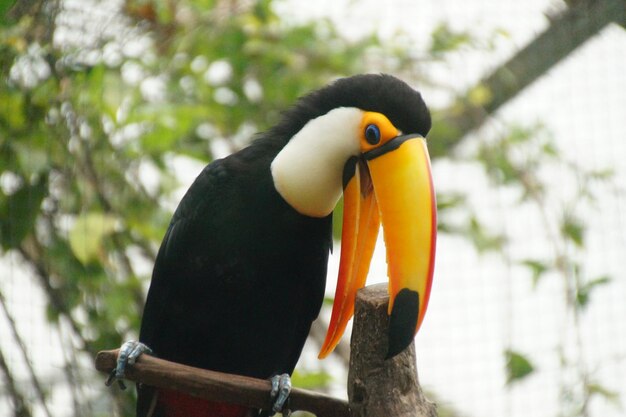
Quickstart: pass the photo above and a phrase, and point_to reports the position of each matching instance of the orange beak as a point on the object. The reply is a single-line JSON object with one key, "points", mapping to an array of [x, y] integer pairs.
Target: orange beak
{"points": [[391, 184]]}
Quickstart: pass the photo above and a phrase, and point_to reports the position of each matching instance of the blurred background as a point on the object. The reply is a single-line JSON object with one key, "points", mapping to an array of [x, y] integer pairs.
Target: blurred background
{"points": [[109, 109]]}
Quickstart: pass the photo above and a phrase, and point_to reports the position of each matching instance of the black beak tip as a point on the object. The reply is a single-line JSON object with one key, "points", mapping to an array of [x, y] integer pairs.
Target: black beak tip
{"points": [[402, 321]]}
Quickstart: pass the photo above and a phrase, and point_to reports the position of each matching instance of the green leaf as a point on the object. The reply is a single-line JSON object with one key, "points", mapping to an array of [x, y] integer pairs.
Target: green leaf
{"points": [[483, 240], [32, 160], [573, 229], [450, 200], [338, 220], [446, 40], [87, 236], [517, 366], [550, 149], [480, 95], [329, 301], [583, 293], [12, 110], [602, 174], [310, 379], [113, 94], [538, 269], [595, 388], [5, 7], [19, 211], [521, 134]]}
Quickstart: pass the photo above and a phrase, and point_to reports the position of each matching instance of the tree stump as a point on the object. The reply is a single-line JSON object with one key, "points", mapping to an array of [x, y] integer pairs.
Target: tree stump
{"points": [[379, 387]]}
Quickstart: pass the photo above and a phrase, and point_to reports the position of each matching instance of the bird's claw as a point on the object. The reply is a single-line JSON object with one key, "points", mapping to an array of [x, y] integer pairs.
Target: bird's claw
{"points": [[281, 387], [129, 352]]}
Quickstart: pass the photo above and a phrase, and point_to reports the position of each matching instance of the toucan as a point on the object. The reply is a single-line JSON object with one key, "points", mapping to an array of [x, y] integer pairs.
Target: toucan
{"points": [[241, 272]]}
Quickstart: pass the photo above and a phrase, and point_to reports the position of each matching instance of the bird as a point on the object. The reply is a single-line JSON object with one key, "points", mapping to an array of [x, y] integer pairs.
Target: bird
{"points": [[241, 272]]}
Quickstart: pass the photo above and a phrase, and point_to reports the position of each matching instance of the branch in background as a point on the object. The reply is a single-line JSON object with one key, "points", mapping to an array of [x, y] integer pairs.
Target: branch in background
{"points": [[32, 253], [318, 334], [217, 386], [566, 33], [87, 168], [20, 343], [19, 404]]}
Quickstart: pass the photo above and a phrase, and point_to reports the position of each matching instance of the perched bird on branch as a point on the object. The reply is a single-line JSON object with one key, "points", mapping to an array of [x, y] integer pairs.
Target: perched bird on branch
{"points": [[241, 271]]}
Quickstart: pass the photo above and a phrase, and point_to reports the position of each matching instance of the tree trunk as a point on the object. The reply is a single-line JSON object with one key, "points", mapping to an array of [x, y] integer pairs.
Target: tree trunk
{"points": [[379, 387]]}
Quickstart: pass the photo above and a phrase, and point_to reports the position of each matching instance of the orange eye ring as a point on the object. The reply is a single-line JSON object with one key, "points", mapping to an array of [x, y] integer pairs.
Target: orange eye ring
{"points": [[375, 131]]}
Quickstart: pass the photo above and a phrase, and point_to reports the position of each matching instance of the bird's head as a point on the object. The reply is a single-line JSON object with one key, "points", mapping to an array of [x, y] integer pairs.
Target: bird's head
{"points": [[363, 136]]}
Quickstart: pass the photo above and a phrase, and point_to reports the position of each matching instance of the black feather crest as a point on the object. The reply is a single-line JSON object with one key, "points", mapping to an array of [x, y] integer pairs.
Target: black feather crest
{"points": [[381, 93]]}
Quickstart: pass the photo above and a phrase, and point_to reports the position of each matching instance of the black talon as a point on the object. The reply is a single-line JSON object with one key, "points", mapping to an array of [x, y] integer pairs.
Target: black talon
{"points": [[112, 378]]}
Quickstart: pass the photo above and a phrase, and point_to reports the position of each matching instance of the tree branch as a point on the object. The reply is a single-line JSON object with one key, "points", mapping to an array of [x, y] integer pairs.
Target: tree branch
{"points": [[19, 403], [217, 386], [379, 387], [22, 347], [566, 33]]}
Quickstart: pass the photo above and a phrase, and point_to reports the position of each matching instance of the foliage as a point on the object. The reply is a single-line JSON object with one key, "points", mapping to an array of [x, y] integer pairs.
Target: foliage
{"points": [[517, 366], [520, 159], [89, 132], [310, 379], [445, 40]]}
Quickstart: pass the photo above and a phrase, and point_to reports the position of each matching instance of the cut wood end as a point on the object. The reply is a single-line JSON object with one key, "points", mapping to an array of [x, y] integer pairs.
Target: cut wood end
{"points": [[106, 360], [374, 295]]}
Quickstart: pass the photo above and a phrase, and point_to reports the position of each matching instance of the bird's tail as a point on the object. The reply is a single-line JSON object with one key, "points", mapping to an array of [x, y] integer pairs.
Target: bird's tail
{"points": [[170, 403]]}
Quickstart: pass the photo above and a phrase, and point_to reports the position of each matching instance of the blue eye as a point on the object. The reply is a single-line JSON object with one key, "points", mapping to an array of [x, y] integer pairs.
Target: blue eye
{"points": [[372, 134]]}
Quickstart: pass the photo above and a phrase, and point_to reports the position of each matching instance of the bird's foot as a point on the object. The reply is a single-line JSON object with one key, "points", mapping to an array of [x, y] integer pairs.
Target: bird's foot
{"points": [[281, 387], [129, 352]]}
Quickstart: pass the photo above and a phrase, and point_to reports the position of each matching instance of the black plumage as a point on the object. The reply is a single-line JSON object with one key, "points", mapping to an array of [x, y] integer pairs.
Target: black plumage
{"points": [[380, 93], [240, 274]]}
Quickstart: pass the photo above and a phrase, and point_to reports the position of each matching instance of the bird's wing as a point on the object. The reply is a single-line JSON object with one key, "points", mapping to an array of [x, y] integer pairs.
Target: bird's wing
{"points": [[195, 253], [239, 276], [235, 255]]}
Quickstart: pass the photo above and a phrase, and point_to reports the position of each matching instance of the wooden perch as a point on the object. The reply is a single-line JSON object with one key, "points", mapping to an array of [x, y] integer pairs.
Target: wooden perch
{"points": [[218, 386], [379, 387], [376, 387]]}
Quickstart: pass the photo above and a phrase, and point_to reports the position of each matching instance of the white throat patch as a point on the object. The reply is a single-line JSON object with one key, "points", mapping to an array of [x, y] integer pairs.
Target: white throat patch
{"points": [[308, 171]]}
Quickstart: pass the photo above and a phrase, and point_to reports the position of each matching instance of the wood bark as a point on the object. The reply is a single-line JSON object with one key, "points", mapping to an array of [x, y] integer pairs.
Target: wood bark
{"points": [[217, 386], [376, 387], [379, 387]]}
